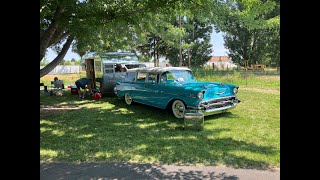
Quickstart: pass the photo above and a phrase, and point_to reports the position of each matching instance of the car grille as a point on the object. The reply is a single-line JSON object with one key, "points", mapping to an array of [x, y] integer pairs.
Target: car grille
{"points": [[218, 103]]}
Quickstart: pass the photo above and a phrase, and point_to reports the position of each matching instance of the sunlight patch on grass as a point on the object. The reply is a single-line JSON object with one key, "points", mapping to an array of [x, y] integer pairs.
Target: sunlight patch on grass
{"points": [[122, 111], [121, 124], [105, 105], [141, 146], [143, 126], [48, 154], [58, 132], [86, 136], [47, 122], [43, 129], [102, 155], [180, 137]]}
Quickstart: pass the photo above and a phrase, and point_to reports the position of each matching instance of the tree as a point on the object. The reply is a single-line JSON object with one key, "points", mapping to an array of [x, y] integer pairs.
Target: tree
{"points": [[250, 42], [67, 63], [100, 25], [62, 62], [196, 41], [92, 24], [44, 62]]}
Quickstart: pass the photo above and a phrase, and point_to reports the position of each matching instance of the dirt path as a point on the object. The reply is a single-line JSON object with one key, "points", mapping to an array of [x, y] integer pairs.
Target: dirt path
{"points": [[149, 171], [47, 109]]}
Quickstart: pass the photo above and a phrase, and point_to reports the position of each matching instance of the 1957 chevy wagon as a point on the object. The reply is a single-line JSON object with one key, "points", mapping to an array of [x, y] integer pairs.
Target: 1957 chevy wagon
{"points": [[177, 89]]}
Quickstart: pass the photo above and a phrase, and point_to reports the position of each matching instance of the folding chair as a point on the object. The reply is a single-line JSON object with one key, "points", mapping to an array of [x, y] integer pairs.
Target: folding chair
{"points": [[56, 87]]}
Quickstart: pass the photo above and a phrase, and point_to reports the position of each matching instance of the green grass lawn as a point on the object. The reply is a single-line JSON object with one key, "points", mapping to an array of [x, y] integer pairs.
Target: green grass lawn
{"points": [[110, 131]]}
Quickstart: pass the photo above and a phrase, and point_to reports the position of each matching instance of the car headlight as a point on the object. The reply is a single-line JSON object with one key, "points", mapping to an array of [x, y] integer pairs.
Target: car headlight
{"points": [[235, 90], [200, 95]]}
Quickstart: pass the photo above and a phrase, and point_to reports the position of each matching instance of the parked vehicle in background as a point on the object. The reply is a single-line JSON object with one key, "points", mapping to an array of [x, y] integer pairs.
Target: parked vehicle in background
{"points": [[113, 66], [177, 89]]}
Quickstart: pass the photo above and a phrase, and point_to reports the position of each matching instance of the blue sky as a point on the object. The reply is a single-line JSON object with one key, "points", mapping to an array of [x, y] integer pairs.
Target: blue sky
{"points": [[216, 41]]}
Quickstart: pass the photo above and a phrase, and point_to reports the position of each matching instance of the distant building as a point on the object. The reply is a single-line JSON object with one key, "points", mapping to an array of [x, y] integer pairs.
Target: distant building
{"points": [[221, 62]]}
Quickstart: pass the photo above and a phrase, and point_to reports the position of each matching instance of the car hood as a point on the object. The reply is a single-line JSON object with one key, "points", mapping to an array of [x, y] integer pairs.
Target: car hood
{"points": [[211, 89]]}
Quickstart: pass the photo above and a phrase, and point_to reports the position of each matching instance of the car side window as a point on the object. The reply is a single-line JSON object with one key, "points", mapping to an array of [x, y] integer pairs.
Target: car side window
{"points": [[170, 76], [152, 78], [163, 78], [141, 77], [130, 76]]}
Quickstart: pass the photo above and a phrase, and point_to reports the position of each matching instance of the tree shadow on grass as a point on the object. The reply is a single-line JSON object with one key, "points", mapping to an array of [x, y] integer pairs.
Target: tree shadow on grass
{"points": [[115, 132]]}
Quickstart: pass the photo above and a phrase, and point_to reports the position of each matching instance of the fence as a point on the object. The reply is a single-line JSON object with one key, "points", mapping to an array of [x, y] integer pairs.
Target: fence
{"points": [[65, 69], [210, 72]]}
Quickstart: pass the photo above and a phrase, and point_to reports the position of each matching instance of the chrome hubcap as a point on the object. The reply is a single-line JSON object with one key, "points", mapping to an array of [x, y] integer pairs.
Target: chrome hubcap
{"points": [[178, 109], [128, 99]]}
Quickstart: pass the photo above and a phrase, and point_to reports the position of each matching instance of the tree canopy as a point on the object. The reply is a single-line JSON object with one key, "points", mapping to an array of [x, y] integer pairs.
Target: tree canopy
{"points": [[101, 25], [257, 41]]}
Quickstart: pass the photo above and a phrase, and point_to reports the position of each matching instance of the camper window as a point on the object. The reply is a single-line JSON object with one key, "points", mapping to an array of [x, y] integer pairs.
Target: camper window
{"points": [[141, 77], [120, 68], [153, 77], [130, 76]]}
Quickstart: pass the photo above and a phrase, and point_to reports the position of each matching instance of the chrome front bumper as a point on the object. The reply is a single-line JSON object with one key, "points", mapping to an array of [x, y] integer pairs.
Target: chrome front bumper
{"points": [[195, 116], [218, 110], [214, 106]]}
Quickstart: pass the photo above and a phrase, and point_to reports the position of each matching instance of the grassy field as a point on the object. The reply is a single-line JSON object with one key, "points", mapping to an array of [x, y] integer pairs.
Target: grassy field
{"points": [[110, 131], [244, 80]]}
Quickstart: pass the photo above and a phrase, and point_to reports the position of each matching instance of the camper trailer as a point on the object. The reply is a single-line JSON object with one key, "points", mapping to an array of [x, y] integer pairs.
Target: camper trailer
{"points": [[113, 66]]}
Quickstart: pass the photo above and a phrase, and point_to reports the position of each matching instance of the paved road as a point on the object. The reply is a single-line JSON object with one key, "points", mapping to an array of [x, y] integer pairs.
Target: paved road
{"points": [[100, 171]]}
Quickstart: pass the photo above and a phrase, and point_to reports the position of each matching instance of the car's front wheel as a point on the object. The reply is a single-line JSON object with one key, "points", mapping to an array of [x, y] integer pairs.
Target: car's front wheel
{"points": [[128, 99], [178, 109]]}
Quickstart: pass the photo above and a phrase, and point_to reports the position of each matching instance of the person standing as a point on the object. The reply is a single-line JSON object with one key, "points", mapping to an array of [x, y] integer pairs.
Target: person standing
{"points": [[84, 84]]}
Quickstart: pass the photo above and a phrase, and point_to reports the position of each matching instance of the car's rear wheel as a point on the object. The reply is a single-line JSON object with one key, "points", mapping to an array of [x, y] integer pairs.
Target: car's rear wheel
{"points": [[178, 109], [128, 99]]}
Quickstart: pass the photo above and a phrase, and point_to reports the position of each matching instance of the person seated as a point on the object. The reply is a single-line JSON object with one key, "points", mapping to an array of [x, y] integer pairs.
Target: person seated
{"points": [[58, 84], [57, 87], [123, 68]]}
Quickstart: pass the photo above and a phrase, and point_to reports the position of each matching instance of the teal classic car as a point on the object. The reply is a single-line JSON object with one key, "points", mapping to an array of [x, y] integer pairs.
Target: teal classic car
{"points": [[176, 88]]}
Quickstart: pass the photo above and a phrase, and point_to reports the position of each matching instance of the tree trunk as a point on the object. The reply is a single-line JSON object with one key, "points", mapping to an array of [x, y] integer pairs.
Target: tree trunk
{"points": [[189, 63], [253, 48], [57, 36], [58, 59], [154, 52], [46, 37], [180, 51], [158, 65]]}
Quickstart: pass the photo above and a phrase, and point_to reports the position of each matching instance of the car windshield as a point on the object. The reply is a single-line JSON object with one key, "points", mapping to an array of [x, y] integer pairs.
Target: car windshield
{"points": [[180, 75]]}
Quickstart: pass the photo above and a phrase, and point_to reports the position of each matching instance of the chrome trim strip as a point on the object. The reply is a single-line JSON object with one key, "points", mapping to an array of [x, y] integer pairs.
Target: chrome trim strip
{"points": [[217, 99]]}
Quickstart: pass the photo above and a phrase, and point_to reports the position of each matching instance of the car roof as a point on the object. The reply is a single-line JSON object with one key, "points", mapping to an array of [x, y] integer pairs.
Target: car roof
{"points": [[156, 69]]}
